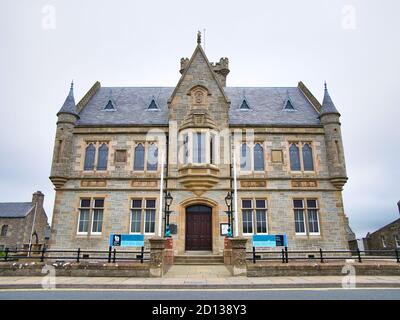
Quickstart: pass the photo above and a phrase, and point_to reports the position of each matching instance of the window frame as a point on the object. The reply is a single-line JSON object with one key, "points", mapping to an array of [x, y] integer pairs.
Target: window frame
{"points": [[397, 241], [140, 209], [384, 243], [2, 232], [306, 211], [96, 144], [93, 209], [145, 213], [254, 210], [300, 144], [90, 221], [80, 208]]}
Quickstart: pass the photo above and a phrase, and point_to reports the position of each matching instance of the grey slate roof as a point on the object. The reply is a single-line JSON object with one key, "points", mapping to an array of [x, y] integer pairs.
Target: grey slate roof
{"points": [[131, 104], [266, 106], [15, 209], [327, 105], [69, 103]]}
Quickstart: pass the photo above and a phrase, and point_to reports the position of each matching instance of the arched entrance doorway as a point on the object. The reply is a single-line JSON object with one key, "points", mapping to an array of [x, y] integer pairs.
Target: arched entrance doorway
{"points": [[198, 235]]}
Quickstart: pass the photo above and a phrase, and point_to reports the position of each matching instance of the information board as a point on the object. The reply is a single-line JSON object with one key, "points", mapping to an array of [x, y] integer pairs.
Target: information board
{"points": [[126, 240], [269, 240]]}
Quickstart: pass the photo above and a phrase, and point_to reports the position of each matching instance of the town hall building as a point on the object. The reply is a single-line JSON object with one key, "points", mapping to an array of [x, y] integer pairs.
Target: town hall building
{"points": [[198, 162]]}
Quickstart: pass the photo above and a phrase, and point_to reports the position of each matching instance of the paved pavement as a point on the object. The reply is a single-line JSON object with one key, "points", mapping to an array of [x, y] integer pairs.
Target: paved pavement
{"points": [[201, 295], [197, 277]]}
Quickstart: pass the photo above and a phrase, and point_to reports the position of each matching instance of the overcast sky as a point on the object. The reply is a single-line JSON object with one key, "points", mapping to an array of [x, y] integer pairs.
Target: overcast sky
{"points": [[353, 45]]}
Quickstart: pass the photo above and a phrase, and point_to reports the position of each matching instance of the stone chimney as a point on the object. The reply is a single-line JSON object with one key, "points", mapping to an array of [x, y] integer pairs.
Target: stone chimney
{"points": [[38, 197], [398, 206]]}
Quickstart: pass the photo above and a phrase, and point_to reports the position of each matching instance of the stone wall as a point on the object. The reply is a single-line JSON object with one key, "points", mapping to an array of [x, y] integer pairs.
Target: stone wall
{"points": [[318, 269]]}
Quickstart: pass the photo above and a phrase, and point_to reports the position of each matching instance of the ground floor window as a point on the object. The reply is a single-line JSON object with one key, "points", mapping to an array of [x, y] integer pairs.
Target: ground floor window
{"points": [[397, 241], [91, 214], [383, 241], [306, 216], [143, 216], [254, 216]]}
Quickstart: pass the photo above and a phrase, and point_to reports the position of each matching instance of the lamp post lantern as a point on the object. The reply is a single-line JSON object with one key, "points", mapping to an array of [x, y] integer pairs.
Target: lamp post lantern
{"points": [[168, 201], [228, 202]]}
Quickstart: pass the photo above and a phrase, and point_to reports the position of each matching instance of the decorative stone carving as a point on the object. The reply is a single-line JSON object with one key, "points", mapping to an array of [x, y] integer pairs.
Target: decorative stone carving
{"points": [[238, 259], [144, 184], [157, 247], [304, 183], [253, 184], [94, 183], [198, 179]]}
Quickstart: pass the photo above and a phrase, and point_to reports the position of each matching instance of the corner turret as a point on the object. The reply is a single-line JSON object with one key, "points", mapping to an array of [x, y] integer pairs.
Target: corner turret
{"points": [[330, 119], [67, 117]]}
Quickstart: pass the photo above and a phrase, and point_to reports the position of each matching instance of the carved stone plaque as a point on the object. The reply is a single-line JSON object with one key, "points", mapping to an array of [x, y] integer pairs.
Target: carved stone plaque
{"points": [[253, 184], [144, 184], [304, 184], [94, 183]]}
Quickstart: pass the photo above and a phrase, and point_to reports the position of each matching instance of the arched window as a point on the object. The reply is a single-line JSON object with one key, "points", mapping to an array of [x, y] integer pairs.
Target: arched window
{"points": [[4, 230], [152, 158], [89, 157], [103, 156], [308, 158], [139, 158], [245, 157], [258, 158], [294, 157]]}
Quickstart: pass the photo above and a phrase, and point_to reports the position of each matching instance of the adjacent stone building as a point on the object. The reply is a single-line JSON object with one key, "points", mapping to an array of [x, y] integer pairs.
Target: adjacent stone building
{"points": [[385, 238], [284, 146], [20, 220]]}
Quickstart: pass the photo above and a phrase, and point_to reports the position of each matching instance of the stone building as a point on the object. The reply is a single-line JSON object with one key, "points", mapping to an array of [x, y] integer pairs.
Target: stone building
{"points": [[20, 220], [284, 147], [385, 238]]}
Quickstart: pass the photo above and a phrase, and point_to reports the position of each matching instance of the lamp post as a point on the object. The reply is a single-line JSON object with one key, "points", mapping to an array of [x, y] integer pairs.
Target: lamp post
{"points": [[168, 201], [228, 202]]}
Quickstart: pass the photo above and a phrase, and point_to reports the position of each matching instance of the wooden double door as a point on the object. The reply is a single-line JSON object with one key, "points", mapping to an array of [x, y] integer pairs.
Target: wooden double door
{"points": [[198, 228]]}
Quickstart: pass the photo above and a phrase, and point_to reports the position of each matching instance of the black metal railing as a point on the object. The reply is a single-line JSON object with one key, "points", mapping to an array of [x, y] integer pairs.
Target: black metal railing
{"points": [[322, 255], [111, 255]]}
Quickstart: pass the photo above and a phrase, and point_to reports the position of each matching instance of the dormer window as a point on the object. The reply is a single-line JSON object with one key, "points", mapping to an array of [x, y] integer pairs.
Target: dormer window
{"points": [[109, 106], [244, 105], [288, 105], [153, 105]]}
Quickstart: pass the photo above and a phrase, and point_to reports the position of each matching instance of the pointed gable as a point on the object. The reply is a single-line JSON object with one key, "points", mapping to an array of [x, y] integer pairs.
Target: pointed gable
{"points": [[198, 58]]}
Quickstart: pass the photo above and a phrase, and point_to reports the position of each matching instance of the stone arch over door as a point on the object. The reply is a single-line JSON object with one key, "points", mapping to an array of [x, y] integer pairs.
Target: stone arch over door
{"points": [[212, 205], [198, 228]]}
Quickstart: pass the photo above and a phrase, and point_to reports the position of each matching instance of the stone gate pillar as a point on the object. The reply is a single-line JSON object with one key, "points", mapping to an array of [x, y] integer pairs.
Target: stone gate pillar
{"points": [[238, 256], [157, 248]]}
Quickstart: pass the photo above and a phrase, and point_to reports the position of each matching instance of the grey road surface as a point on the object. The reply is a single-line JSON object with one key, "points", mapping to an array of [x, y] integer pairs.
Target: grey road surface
{"points": [[297, 294]]}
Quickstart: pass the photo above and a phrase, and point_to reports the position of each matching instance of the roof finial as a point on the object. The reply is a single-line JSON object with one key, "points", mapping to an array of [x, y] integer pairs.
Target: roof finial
{"points": [[198, 37], [72, 84], [325, 85]]}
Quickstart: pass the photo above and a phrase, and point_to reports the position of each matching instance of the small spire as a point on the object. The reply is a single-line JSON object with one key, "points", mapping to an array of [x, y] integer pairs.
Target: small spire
{"points": [[198, 37], [69, 106], [328, 107]]}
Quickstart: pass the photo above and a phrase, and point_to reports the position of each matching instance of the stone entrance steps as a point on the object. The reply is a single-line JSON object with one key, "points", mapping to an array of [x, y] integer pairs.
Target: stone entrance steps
{"points": [[199, 259]]}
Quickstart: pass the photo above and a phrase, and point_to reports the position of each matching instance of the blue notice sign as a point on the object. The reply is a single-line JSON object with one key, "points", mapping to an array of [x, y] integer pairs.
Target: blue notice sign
{"points": [[269, 240], [126, 240]]}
